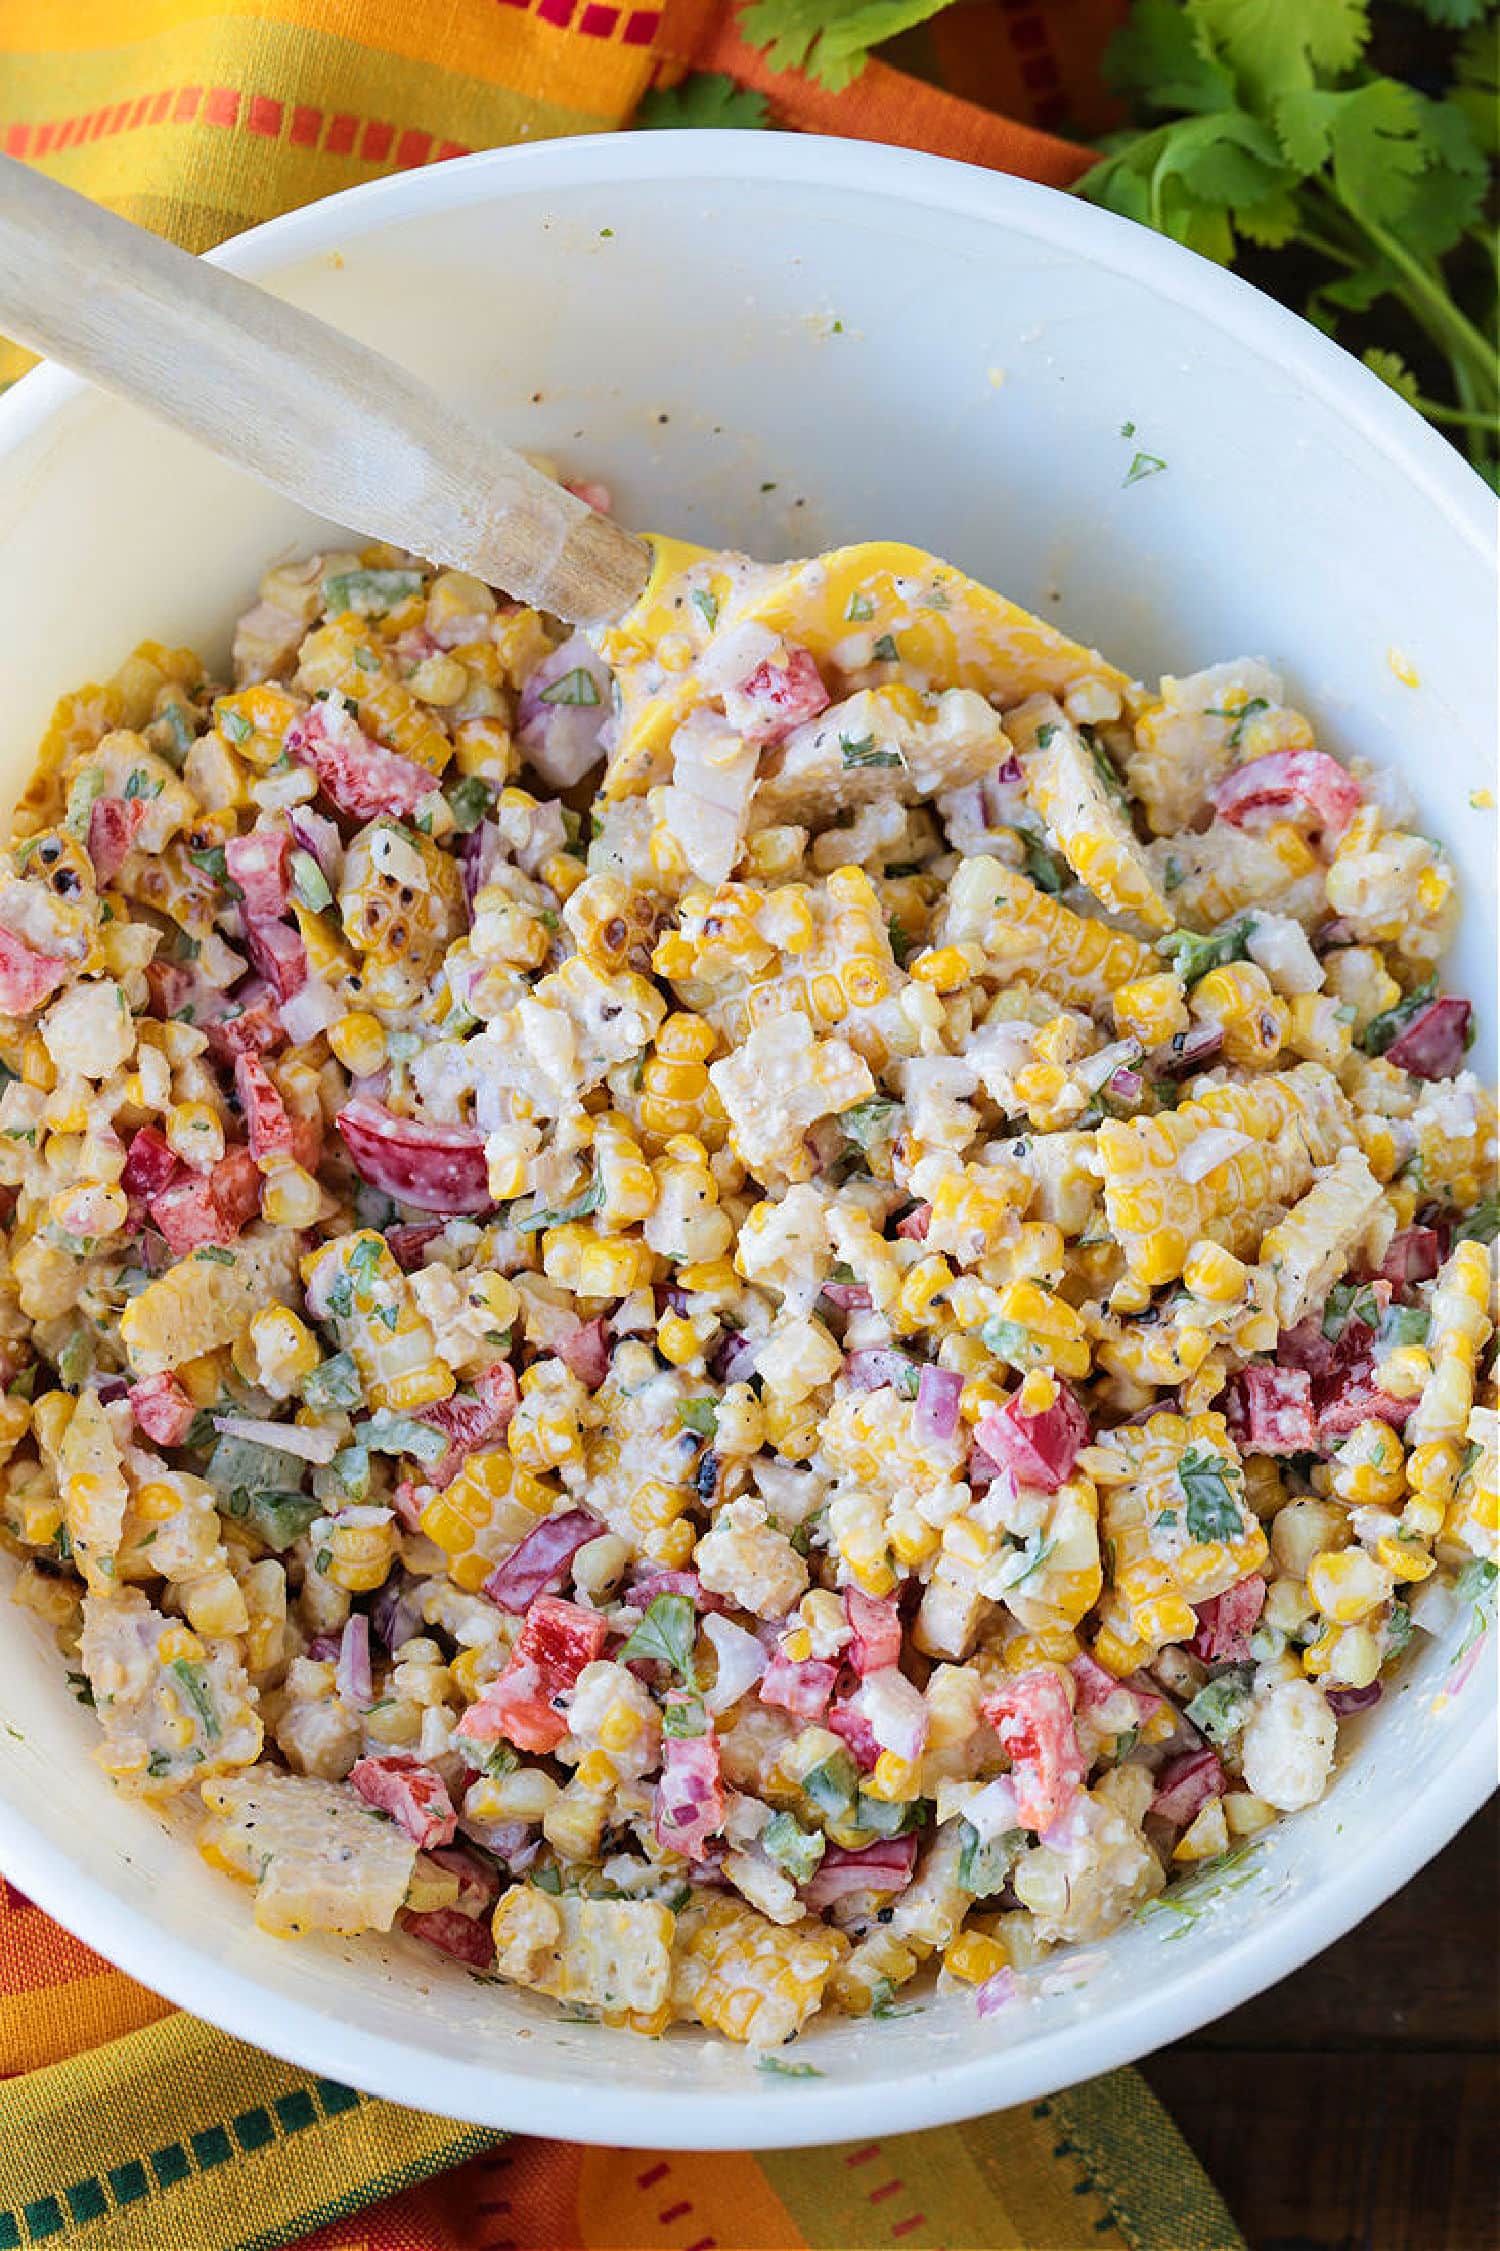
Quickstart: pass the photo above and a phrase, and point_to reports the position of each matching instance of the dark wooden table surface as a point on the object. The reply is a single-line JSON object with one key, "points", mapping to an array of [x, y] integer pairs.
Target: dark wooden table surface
{"points": [[1356, 2107]]}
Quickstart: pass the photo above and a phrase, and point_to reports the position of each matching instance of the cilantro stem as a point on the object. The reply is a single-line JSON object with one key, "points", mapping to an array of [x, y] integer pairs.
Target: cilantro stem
{"points": [[1461, 417], [1428, 303]]}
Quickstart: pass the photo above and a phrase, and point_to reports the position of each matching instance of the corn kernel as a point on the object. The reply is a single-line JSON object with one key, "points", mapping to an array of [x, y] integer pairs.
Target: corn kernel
{"points": [[1347, 1586], [974, 1958], [1215, 1274], [358, 1040], [291, 1197]]}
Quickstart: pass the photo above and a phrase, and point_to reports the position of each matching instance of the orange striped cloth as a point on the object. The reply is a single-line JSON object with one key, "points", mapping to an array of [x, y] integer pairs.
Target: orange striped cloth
{"points": [[124, 2124]]}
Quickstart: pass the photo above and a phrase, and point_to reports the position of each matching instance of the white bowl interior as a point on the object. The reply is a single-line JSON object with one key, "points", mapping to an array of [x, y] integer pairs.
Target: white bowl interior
{"points": [[780, 344]]}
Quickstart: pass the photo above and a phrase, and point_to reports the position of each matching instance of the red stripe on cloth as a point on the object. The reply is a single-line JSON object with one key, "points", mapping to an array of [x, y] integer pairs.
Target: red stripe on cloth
{"points": [[641, 26], [222, 106], [340, 136], [265, 116], [161, 103], [187, 104], [451, 148], [413, 148], [597, 22], [558, 12], [375, 147], [306, 125], [17, 139]]}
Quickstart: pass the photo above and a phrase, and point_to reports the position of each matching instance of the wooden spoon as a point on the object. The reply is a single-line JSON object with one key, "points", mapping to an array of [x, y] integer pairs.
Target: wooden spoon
{"points": [[350, 435], [323, 419]]}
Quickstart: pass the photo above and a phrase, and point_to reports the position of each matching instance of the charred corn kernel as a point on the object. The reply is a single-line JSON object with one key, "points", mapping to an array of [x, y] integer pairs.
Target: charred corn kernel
{"points": [[921, 1287], [973, 1957], [614, 924], [358, 1040], [497, 1298], [1369, 1468], [401, 903], [1348, 1585], [291, 1197], [1151, 1009], [1215, 1274], [1253, 1017], [195, 1132]]}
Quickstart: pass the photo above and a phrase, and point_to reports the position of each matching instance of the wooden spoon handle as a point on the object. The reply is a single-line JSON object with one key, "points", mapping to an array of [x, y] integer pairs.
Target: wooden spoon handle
{"points": [[318, 416]]}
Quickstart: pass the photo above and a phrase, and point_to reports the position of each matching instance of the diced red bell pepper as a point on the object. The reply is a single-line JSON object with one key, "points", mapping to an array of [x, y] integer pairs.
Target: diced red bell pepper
{"points": [[1270, 1410], [470, 1423], [1433, 1045], [168, 985], [1185, 1784], [1291, 777], [1413, 1254], [802, 1689], [407, 1243], [586, 1351], [1034, 1721], [1040, 1449], [149, 1164], [1354, 1399], [886, 1866], [114, 823], [162, 1409], [876, 1630], [414, 1795], [849, 1297], [778, 697], [407, 1501], [209, 1208], [266, 1117], [451, 1932], [557, 1640], [846, 1720], [261, 865], [540, 1564], [256, 1023], [278, 954], [649, 1581], [1324, 1357], [27, 978], [361, 777], [689, 1801], [1226, 1621], [431, 1167]]}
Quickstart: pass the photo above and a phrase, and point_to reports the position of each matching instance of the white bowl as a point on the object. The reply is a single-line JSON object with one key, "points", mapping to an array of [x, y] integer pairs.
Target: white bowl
{"points": [[780, 342]]}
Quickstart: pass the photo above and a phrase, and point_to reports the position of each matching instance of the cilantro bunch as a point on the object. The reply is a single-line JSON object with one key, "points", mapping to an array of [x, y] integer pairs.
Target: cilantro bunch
{"points": [[1267, 132]]}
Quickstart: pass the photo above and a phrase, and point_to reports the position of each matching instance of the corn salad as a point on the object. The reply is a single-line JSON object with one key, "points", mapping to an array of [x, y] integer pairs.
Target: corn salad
{"points": [[723, 1318]]}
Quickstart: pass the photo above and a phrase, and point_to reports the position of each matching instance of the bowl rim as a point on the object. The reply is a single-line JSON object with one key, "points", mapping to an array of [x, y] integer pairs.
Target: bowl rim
{"points": [[825, 2111]]}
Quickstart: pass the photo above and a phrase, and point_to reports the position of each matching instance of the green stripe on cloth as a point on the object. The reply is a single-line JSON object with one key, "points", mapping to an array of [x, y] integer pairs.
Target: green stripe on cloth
{"points": [[1157, 2193], [179, 2136]]}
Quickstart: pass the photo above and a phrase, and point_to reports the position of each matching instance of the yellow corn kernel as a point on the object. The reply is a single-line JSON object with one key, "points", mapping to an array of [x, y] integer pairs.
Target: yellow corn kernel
{"points": [[195, 1132], [1150, 1009], [291, 1197], [1407, 1562], [358, 1040], [677, 1340], [1354, 1661], [947, 969], [973, 1957], [497, 1297], [596, 1770], [1369, 1468], [1207, 1836], [361, 1554], [1433, 1470], [1348, 1585], [921, 1287], [895, 1781], [1254, 1019], [1215, 1274], [593, 1265], [180, 1645]]}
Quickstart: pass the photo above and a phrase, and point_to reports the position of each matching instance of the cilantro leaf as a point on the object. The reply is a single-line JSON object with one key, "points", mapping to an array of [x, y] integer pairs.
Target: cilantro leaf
{"points": [[1277, 47], [1207, 1481], [706, 98], [830, 40], [1193, 957], [665, 1636]]}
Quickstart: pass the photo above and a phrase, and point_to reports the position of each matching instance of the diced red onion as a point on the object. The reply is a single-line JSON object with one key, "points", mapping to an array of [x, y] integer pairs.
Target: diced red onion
{"points": [[463, 1937], [1009, 771], [308, 1445], [319, 836], [353, 1678], [733, 1358], [310, 1010], [886, 1866], [741, 1662], [1127, 1086], [938, 1393], [1096, 1071], [478, 858], [849, 1297], [996, 1993], [396, 1611], [1346, 1701], [540, 1564], [1197, 1050], [586, 1351], [876, 1366], [1207, 1150]]}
